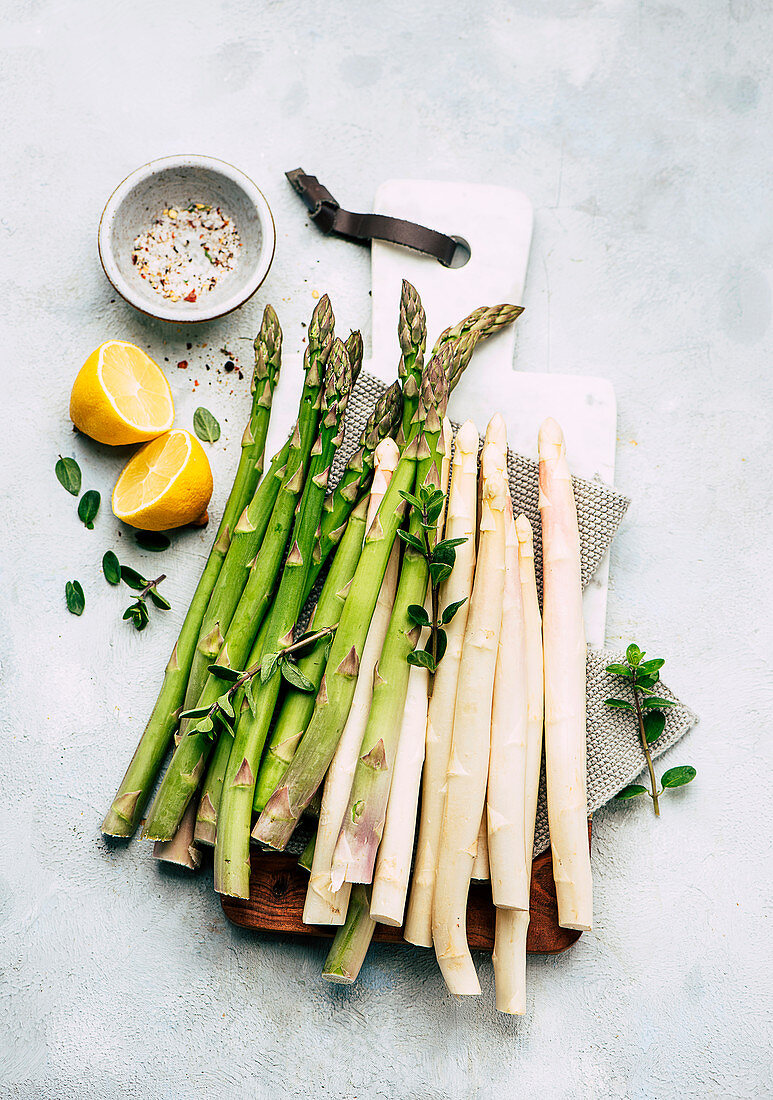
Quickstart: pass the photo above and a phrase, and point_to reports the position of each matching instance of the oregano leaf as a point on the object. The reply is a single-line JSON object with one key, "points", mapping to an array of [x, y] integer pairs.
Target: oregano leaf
{"points": [[68, 474], [412, 540], [205, 426], [450, 611], [619, 704], [73, 594], [418, 615], [656, 701], [294, 676], [633, 654], [194, 712], [249, 696], [678, 777], [631, 791], [422, 659], [223, 672], [134, 579], [648, 667], [620, 670], [88, 506], [161, 602], [268, 667], [111, 567], [654, 724], [441, 645]]}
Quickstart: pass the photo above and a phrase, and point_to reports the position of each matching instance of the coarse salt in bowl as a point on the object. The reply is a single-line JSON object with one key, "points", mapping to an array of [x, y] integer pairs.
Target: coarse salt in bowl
{"points": [[225, 260]]}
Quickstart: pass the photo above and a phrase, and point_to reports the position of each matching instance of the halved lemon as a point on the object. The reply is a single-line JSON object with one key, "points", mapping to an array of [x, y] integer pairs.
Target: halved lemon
{"points": [[167, 483], [121, 396]]}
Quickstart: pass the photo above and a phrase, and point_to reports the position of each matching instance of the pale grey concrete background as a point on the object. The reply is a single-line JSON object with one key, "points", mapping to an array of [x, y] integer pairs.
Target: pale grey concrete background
{"points": [[642, 134]]}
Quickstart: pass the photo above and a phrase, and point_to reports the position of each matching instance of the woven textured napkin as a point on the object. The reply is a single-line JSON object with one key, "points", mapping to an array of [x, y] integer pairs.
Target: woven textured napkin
{"points": [[615, 756]]}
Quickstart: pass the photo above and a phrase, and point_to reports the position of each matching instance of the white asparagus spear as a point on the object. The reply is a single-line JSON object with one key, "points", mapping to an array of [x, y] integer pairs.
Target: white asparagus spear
{"points": [[506, 794], [393, 864], [181, 850], [563, 639], [512, 924], [323, 904], [468, 762], [480, 865], [460, 523]]}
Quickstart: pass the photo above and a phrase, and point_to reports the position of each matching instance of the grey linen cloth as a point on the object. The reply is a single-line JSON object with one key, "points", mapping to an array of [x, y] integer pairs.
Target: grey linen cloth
{"points": [[615, 756]]}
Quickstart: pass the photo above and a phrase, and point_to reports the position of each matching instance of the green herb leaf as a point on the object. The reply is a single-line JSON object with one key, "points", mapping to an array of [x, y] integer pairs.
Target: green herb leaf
{"points": [[619, 704], [68, 474], [134, 579], [225, 706], [631, 792], [439, 573], [433, 511], [450, 611], [418, 615], [678, 777], [224, 673], [111, 568], [654, 724], [444, 553], [194, 712], [421, 659], [88, 507], [161, 602], [206, 725], [294, 676], [441, 644], [411, 540], [412, 500], [656, 701], [633, 654], [205, 426], [646, 683], [138, 614], [647, 668], [620, 670], [73, 594], [152, 540], [268, 667], [449, 543]]}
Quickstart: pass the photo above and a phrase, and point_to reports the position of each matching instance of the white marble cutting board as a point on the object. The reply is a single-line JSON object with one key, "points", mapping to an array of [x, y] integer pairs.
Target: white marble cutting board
{"points": [[496, 223]]}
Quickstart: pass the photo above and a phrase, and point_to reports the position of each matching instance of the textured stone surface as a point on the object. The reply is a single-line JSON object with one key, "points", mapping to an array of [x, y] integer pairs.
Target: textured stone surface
{"points": [[639, 132]]}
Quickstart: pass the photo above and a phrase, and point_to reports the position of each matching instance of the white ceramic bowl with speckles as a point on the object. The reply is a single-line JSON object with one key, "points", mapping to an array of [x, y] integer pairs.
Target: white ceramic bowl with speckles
{"points": [[172, 182]]}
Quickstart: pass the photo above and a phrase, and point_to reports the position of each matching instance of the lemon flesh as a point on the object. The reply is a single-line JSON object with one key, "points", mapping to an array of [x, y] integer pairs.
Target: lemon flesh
{"points": [[166, 484], [121, 396]]}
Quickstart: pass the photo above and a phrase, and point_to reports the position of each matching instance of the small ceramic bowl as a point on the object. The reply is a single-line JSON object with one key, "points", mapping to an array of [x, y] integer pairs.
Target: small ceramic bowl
{"points": [[179, 181]]}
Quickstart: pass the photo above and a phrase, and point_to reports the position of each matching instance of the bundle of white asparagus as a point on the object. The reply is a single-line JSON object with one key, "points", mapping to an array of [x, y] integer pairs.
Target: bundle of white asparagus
{"points": [[472, 747]]}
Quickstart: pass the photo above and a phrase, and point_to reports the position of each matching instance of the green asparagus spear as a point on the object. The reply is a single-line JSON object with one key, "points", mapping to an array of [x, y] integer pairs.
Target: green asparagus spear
{"points": [[351, 941], [312, 758], [129, 803], [363, 820], [241, 564], [232, 863], [189, 761]]}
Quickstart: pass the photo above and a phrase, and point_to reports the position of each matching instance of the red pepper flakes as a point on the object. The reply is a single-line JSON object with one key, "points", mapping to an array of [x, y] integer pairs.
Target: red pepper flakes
{"points": [[183, 364], [190, 297]]}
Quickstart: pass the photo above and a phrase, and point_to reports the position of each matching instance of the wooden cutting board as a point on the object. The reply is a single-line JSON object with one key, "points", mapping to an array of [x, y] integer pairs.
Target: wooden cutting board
{"points": [[278, 890], [496, 223]]}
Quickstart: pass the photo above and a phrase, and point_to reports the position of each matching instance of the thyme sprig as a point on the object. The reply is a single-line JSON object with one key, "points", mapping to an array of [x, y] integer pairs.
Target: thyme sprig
{"points": [[222, 714], [642, 677], [427, 507]]}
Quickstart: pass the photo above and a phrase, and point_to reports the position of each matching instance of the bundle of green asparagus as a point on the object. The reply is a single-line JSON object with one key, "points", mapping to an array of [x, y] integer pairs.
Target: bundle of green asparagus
{"points": [[264, 718]]}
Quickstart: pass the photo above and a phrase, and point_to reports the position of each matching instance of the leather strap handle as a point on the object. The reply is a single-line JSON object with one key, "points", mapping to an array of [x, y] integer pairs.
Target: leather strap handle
{"points": [[327, 214]]}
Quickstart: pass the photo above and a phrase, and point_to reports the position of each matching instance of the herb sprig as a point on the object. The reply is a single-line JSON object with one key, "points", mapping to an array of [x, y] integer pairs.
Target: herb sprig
{"points": [[642, 677], [221, 714], [440, 557]]}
